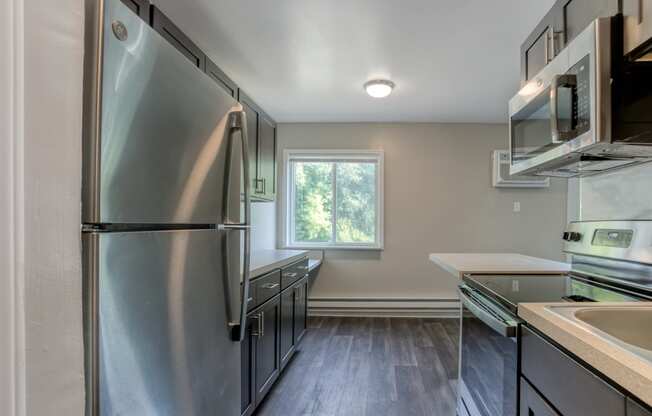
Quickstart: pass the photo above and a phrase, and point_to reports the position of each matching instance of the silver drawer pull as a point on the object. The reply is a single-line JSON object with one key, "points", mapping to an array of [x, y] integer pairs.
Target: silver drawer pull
{"points": [[290, 274], [250, 299], [269, 286]]}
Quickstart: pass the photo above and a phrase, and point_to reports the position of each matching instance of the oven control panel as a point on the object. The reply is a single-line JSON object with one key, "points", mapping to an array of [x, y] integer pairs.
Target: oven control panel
{"points": [[612, 238]]}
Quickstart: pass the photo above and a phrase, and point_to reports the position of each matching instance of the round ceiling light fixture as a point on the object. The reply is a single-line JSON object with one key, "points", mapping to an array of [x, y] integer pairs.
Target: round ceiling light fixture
{"points": [[379, 88]]}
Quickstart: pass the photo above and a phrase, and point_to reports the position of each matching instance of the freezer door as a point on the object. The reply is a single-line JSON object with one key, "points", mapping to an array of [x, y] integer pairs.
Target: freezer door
{"points": [[157, 130], [157, 309]]}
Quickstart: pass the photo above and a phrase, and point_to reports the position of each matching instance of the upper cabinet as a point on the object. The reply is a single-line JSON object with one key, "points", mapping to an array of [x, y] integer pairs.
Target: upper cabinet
{"points": [[638, 25], [213, 71], [267, 158], [177, 38], [262, 150], [140, 7], [560, 25], [260, 127]]}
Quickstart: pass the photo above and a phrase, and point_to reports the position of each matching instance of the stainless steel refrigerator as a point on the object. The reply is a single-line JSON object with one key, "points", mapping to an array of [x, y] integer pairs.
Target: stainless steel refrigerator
{"points": [[165, 227]]}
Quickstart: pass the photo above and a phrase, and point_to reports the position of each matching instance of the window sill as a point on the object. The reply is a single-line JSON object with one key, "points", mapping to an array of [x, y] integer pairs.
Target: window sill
{"points": [[334, 248]]}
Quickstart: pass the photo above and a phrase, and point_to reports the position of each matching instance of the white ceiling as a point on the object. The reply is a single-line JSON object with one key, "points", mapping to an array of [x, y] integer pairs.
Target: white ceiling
{"points": [[306, 60]]}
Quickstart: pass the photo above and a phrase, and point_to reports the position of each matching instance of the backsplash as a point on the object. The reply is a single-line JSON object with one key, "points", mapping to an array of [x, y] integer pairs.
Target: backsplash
{"points": [[624, 194]]}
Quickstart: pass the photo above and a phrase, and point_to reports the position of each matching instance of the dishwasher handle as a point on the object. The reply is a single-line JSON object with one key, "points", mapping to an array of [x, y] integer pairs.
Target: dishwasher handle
{"points": [[487, 313]]}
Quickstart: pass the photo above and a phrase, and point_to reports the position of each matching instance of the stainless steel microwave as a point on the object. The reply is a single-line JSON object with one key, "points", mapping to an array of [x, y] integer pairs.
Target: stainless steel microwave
{"points": [[589, 110]]}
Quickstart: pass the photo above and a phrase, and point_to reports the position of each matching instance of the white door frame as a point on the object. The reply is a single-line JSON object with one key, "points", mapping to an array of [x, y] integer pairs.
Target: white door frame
{"points": [[12, 333]]}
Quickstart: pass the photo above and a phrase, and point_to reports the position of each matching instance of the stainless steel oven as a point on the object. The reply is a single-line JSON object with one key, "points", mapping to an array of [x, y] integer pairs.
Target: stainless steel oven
{"points": [[488, 384], [589, 110]]}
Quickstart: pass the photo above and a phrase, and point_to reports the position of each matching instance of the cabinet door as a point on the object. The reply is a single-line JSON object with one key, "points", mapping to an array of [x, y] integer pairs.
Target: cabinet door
{"points": [[213, 71], [287, 325], [267, 157], [140, 7], [252, 130], [578, 14], [637, 24], [247, 351], [300, 310], [634, 409], [541, 46], [267, 348], [532, 404], [164, 26]]}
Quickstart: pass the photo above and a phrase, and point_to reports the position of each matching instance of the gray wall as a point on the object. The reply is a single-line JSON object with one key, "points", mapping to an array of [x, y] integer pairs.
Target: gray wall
{"points": [[624, 194], [438, 198]]}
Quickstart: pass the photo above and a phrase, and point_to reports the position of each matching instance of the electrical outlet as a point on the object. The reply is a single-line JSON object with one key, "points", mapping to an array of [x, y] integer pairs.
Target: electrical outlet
{"points": [[517, 206]]}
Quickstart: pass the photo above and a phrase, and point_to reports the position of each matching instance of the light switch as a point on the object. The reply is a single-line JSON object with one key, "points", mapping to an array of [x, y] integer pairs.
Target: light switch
{"points": [[517, 206]]}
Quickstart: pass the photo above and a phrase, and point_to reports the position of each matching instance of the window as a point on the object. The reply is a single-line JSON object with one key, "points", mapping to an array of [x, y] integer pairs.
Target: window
{"points": [[334, 199]]}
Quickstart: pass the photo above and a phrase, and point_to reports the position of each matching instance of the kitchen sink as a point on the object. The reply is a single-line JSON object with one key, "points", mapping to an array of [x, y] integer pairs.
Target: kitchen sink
{"points": [[628, 327]]}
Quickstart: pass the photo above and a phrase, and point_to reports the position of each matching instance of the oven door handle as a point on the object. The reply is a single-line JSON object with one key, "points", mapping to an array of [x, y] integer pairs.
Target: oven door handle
{"points": [[481, 311]]}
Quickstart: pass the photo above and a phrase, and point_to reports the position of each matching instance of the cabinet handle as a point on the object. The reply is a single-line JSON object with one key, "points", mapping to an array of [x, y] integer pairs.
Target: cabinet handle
{"points": [[249, 300], [256, 330], [269, 285], [257, 189], [261, 322], [290, 275]]}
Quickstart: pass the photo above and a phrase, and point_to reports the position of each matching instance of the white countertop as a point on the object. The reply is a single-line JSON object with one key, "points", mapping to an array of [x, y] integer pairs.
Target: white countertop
{"points": [[263, 261], [459, 264], [623, 367]]}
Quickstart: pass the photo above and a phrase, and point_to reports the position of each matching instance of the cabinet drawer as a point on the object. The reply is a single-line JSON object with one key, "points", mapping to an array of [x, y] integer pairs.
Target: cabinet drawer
{"points": [[264, 288], [635, 409], [532, 404], [550, 370], [294, 272]]}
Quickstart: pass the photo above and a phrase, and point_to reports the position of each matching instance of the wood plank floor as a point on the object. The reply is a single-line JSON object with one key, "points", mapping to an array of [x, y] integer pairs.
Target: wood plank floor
{"points": [[370, 366]]}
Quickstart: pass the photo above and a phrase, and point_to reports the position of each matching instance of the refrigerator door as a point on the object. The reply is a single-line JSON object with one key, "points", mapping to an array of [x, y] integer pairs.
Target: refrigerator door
{"points": [[157, 130], [158, 335]]}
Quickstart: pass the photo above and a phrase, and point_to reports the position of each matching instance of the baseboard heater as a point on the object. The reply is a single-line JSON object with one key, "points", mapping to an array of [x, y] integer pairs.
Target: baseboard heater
{"points": [[384, 307]]}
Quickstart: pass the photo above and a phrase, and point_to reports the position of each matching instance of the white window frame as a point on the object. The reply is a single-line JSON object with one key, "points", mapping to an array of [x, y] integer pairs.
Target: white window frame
{"points": [[287, 218]]}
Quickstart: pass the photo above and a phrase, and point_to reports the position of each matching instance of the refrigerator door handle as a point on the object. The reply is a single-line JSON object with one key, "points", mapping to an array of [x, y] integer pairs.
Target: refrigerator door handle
{"points": [[238, 122]]}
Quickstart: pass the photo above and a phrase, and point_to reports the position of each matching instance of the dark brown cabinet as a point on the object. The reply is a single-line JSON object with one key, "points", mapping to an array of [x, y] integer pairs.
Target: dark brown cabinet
{"points": [[267, 359], [547, 368], [262, 149], [274, 329], [635, 409], [260, 127], [300, 310], [294, 322], [248, 357], [140, 7], [565, 20], [532, 404], [166, 28], [267, 158], [252, 139], [213, 71], [288, 299]]}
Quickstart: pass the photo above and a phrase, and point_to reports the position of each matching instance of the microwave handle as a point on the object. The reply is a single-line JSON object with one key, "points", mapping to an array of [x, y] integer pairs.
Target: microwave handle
{"points": [[558, 81]]}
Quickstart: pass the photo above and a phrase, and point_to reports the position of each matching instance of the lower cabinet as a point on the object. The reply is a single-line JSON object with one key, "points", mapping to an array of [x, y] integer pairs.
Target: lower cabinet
{"points": [[267, 347], [294, 320], [532, 404], [300, 309], [274, 330], [288, 299], [248, 356], [546, 390], [635, 409]]}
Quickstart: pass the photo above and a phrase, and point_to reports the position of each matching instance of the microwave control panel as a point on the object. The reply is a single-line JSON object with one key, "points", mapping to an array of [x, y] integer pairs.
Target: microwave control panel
{"points": [[581, 101]]}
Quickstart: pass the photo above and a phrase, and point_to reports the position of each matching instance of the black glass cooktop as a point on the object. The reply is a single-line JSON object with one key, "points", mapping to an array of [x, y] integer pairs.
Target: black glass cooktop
{"points": [[514, 289]]}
